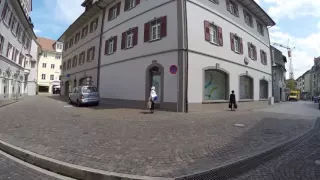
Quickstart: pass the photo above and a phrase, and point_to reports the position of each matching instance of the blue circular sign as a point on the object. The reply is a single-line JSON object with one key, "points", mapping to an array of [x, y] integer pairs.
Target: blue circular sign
{"points": [[173, 69], [68, 75]]}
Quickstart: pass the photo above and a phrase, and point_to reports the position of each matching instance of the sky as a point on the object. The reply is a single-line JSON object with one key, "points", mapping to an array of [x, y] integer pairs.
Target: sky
{"points": [[298, 25]]}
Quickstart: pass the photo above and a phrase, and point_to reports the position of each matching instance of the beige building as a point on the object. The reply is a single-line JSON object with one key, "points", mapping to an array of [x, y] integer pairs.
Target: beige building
{"points": [[49, 67]]}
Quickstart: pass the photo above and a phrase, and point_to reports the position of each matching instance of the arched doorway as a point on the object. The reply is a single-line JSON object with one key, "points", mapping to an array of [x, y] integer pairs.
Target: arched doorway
{"points": [[67, 88], [264, 89], [216, 85], [154, 77], [246, 87]]}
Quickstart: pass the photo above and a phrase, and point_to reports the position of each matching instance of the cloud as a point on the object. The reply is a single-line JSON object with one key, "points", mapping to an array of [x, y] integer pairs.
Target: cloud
{"points": [[257, 1], [63, 10], [37, 31]]}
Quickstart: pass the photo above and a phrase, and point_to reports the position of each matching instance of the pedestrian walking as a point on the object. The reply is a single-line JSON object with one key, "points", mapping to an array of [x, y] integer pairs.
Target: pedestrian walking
{"points": [[232, 101], [153, 97]]}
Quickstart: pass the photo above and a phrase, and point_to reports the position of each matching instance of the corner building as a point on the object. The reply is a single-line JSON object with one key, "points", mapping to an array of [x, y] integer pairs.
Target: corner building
{"points": [[217, 46]]}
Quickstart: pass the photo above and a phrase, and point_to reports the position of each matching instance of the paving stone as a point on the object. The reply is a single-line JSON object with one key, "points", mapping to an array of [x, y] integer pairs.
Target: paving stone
{"points": [[95, 136]]}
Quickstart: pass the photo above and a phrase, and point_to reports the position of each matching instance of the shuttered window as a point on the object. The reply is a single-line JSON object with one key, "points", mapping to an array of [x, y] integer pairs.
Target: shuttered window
{"points": [[129, 38], [114, 11], [130, 4], [232, 7], [110, 46], [156, 29], [263, 56], [252, 51], [236, 43], [213, 33]]}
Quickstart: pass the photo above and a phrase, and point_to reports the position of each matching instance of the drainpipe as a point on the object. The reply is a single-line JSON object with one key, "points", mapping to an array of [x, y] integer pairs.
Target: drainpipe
{"points": [[100, 44]]}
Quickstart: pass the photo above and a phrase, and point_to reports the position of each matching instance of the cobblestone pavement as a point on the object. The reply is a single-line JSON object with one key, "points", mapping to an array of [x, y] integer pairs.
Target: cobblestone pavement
{"points": [[296, 164], [134, 142], [12, 170], [6, 102]]}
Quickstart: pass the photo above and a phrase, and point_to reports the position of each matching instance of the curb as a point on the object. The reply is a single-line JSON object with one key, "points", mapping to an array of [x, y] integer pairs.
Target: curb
{"points": [[67, 169], [234, 169], [7, 104]]}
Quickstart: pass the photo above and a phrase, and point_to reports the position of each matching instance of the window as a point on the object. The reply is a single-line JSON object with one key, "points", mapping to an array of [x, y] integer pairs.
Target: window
{"points": [[21, 58], [90, 54], [218, 80], [77, 38], [15, 56], [6, 14], [215, 1], [84, 32], [43, 76], [111, 45], [252, 51], [260, 28], [155, 29], [1, 43], [64, 66], [45, 54], [24, 38], [236, 43], [51, 77], [82, 58], [94, 25], [130, 4], [13, 25], [58, 57], [52, 66], [44, 65], [232, 7], [71, 43], [60, 67], [129, 38], [18, 32], [248, 18], [9, 51], [114, 11], [75, 61], [69, 64], [66, 46], [263, 55]]}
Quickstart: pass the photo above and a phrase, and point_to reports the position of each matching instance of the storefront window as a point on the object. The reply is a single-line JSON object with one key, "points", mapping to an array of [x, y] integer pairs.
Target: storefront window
{"points": [[215, 85], [246, 87], [263, 89]]}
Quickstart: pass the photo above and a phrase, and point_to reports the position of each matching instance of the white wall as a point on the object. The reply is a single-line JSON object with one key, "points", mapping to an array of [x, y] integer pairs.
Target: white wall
{"points": [[169, 42], [127, 80], [196, 80], [196, 37]]}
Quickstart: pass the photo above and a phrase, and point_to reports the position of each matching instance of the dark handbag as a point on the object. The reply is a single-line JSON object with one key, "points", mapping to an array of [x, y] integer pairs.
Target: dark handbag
{"points": [[235, 106], [230, 105]]}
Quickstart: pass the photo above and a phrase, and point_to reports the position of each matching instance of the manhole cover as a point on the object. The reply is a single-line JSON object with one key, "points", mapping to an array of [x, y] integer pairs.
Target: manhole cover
{"points": [[317, 162], [271, 131], [239, 125], [68, 106]]}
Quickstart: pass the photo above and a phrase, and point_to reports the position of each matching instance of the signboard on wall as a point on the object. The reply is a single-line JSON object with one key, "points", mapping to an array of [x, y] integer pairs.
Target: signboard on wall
{"points": [[173, 69]]}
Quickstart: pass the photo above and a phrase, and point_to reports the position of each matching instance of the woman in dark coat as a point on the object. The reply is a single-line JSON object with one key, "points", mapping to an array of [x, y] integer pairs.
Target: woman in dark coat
{"points": [[232, 101]]}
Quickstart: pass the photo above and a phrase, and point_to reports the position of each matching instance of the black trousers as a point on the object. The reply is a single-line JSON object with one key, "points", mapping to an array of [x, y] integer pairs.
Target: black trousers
{"points": [[152, 106]]}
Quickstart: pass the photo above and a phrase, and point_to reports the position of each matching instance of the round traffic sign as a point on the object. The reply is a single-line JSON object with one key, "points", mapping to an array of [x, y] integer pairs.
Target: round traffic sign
{"points": [[173, 69]]}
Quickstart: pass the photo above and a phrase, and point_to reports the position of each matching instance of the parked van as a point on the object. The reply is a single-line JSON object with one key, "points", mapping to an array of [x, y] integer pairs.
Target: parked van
{"points": [[84, 95]]}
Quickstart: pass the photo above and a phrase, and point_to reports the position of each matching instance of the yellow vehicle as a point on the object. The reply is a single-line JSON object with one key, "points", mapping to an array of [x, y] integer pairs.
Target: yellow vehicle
{"points": [[294, 95]]}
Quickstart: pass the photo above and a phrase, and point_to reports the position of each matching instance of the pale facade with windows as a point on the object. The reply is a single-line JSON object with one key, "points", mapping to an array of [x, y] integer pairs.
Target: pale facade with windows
{"points": [[49, 66], [215, 47], [16, 36]]}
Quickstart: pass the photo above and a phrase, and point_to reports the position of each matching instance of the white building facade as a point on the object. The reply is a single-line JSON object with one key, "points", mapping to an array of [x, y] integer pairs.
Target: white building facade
{"points": [[16, 35], [193, 52]]}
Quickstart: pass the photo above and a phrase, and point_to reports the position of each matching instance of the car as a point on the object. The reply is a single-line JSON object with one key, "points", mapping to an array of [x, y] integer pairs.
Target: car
{"points": [[84, 95]]}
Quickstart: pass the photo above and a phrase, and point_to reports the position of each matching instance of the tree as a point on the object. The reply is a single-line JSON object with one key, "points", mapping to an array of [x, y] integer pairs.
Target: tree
{"points": [[291, 84]]}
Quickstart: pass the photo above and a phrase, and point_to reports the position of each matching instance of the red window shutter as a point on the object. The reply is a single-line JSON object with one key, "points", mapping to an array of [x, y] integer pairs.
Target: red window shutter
{"points": [[220, 36], [106, 45], [123, 40], [109, 14], [207, 30], [249, 54], [241, 45], [126, 4], [115, 43], [118, 8], [261, 56], [146, 32], [164, 26], [137, 2], [228, 5], [4, 11], [254, 52], [135, 36], [232, 41]]}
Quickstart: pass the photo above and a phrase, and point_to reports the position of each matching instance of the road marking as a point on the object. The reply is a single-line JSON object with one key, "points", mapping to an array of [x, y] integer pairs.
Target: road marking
{"points": [[239, 125], [40, 170]]}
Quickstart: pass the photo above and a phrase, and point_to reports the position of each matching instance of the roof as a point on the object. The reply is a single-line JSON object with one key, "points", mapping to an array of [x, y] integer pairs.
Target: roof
{"points": [[46, 44], [257, 11]]}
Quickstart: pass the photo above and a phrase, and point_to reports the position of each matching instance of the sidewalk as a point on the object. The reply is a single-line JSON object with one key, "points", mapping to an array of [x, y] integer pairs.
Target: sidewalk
{"points": [[129, 141], [7, 102]]}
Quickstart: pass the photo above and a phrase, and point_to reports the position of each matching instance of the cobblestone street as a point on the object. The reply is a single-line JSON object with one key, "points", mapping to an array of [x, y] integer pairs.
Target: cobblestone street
{"points": [[131, 141], [302, 162]]}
